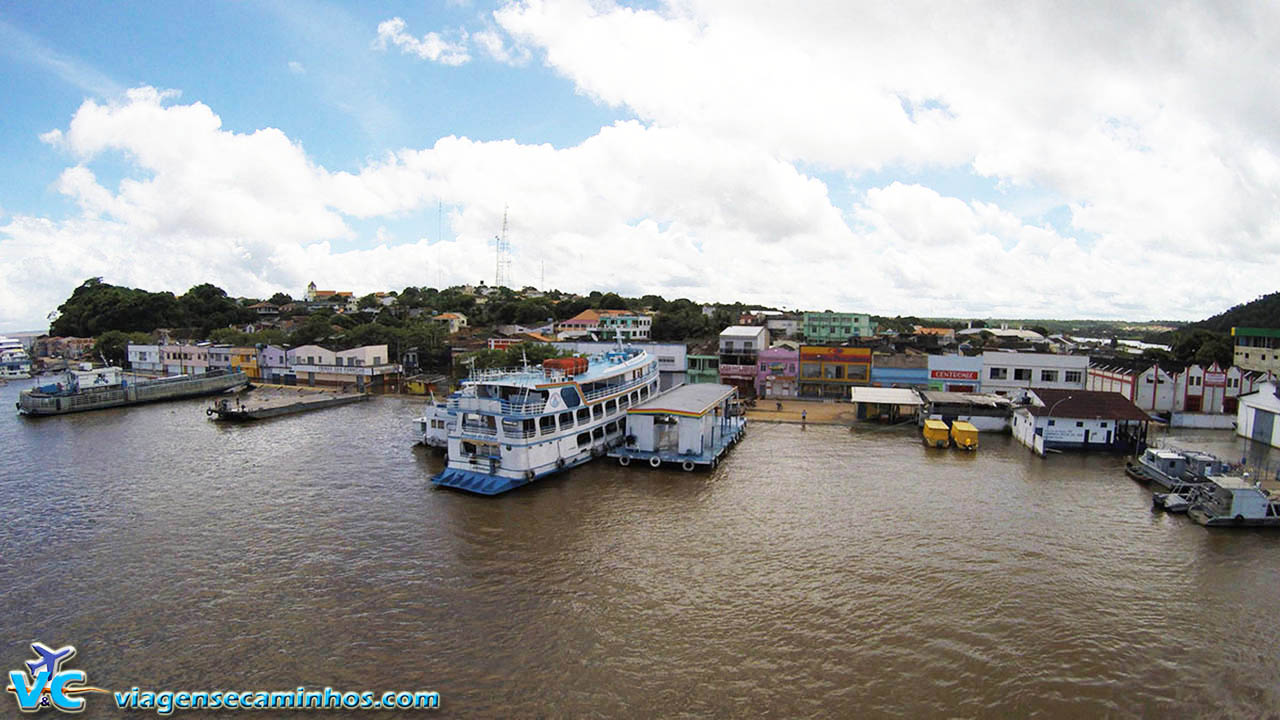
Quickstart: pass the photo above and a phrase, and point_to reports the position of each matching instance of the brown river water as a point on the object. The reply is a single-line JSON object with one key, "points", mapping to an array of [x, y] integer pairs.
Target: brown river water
{"points": [[817, 572]]}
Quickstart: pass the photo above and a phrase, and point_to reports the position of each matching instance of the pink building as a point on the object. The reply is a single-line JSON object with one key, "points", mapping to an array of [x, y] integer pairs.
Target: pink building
{"points": [[779, 367]]}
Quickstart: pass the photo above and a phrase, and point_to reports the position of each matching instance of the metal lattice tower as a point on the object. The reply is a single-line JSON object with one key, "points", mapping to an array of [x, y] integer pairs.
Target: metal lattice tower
{"points": [[502, 249]]}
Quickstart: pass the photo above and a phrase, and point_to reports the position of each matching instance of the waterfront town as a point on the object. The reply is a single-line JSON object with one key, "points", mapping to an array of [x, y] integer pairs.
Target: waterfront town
{"points": [[1093, 393]]}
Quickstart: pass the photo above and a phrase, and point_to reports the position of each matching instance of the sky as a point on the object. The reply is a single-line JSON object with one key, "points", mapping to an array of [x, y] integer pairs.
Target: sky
{"points": [[969, 159]]}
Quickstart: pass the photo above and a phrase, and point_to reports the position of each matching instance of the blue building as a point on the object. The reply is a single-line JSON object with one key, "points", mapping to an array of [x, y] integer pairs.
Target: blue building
{"points": [[900, 371]]}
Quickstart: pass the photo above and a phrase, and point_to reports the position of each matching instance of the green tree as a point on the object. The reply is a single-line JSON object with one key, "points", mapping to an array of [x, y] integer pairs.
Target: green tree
{"points": [[611, 301], [207, 307], [113, 345], [280, 299], [96, 307]]}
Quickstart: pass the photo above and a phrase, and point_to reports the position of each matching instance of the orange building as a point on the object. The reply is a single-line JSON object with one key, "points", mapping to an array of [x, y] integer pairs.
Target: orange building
{"points": [[829, 372]]}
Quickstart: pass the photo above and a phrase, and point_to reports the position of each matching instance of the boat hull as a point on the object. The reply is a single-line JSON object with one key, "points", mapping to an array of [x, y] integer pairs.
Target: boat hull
{"points": [[36, 404]]}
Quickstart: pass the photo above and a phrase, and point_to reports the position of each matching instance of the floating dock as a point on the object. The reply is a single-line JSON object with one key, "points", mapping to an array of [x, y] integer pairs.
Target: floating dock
{"points": [[692, 425], [288, 403]]}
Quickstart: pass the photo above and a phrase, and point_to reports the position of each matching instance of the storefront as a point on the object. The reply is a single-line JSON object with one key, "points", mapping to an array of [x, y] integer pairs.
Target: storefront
{"points": [[829, 372], [955, 373]]}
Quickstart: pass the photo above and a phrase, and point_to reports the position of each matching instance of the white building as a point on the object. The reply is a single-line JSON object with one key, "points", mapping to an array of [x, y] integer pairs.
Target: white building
{"points": [[145, 358], [783, 326], [740, 347], [1006, 373], [955, 373], [1078, 419], [1256, 416], [1157, 389]]}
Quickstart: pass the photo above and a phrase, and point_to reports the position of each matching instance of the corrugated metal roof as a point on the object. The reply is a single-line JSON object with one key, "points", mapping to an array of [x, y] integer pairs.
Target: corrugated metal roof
{"points": [[886, 396], [697, 399]]}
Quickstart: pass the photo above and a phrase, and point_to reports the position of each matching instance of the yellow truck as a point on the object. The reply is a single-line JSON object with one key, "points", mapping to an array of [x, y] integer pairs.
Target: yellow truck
{"points": [[936, 434], [964, 435]]}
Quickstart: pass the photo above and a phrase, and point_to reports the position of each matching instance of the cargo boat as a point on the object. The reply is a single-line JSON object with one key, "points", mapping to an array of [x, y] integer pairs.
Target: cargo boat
{"points": [[1234, 501], [81, 390]]}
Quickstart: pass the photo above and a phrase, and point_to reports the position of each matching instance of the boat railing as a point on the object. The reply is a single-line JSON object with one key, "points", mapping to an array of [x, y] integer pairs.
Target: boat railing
{"points": [[517, 409], [615, 389]]}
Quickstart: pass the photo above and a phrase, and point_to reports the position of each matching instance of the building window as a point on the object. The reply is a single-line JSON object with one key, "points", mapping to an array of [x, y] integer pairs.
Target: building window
{"points": [[998, 373], [1022, 374], [1048, 376], [1071, 376]]}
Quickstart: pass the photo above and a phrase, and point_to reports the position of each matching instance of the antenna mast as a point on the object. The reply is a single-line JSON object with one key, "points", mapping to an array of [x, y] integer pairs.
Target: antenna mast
{"points": [[502, 265]]}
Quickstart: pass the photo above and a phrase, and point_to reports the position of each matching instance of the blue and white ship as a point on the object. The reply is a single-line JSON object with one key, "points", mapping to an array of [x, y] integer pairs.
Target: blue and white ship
{"points": [[14, 361], [509, 428]]}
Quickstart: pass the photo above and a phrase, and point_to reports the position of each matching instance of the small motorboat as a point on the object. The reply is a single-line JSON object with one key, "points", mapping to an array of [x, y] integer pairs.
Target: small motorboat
{"points": [[1171, 502]]}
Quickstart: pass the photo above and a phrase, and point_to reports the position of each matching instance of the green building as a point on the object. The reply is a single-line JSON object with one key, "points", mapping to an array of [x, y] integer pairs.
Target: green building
{"points": [[1256, 349], [830, 327], [702, 369]]}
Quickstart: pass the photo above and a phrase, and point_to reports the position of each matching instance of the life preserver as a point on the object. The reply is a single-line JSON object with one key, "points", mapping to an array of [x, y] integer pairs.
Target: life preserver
{"points": [[624, 461], [687, 466], [655, 461]]}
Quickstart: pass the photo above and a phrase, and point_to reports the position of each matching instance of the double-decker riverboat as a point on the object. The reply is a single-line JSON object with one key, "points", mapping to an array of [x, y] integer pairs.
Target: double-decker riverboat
{"points": [[509, 428]]}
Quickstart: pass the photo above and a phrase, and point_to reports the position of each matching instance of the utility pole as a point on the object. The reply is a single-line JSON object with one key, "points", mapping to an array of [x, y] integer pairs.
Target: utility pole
{"points": [[502, 248]]}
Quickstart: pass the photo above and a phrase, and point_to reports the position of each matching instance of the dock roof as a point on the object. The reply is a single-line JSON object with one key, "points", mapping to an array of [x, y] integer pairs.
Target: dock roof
{"points": [[691, 400], [1086, 404], [958, 398], [886, 396]]}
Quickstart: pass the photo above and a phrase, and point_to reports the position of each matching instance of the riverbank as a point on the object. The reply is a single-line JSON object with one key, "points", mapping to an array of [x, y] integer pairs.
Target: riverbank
{"points": [[796, 412]]}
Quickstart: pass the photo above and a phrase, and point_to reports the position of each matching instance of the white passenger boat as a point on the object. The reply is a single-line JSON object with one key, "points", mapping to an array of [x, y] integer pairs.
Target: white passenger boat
{"points": [[433, 425], [511, 427], [14, 361]]}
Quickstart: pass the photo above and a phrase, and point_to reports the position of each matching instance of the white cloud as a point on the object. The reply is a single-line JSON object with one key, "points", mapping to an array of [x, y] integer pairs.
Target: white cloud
{"points": [[297, 68], [432, 46], [1124, 111]]}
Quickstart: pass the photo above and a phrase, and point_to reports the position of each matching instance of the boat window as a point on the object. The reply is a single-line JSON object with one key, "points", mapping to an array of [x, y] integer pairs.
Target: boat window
{"points": [[584, 415], [644, 393], [512, 428], [624, 402], [584, 439], [570, 397], [597, 433], [1050, 422], [611, 407], [547, 424], [566, 420], [1079, 423], [597, 412]]}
